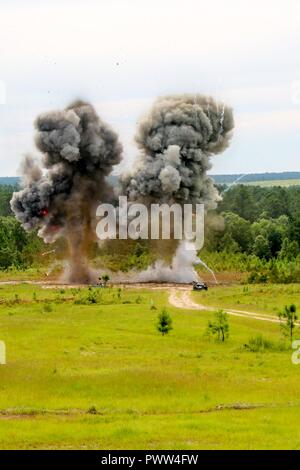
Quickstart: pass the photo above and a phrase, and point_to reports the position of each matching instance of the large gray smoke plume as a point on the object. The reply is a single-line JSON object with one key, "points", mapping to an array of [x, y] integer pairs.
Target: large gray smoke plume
{"points": [[60, 193], [176, 139]]}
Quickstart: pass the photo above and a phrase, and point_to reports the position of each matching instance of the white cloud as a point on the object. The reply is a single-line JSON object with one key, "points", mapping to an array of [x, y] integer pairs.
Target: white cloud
{"points": [[121, 54], [93, 30], [271, 121]]}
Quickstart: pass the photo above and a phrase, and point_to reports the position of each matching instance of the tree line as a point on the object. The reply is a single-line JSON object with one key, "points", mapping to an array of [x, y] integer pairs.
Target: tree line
{"points": [[260, 225], [262, 221], [263, 224]]}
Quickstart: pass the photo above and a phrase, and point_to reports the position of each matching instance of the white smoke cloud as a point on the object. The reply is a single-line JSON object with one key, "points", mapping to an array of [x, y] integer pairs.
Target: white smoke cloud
{"points": [[181, 269]]}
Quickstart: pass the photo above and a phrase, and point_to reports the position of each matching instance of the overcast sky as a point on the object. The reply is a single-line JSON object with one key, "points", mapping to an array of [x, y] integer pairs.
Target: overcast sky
{"points": [[122, 54]]}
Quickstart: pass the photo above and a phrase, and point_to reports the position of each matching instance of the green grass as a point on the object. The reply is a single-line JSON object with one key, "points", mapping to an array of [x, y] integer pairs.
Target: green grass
{"points": [[257, 298], [30, 274], [101, 376], [286, 183]]}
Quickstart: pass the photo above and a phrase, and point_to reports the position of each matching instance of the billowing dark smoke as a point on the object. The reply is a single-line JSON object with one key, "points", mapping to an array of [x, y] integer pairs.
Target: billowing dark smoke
{"points": [[176, 139], [60, 193]]}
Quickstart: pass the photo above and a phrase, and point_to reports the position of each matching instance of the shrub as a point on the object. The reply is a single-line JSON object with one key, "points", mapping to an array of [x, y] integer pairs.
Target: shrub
{"points": [[92, 410], [164, 324], [105, 278], [289, 316], [92, 297], [47, 308], [219, 326], [260, 344]]}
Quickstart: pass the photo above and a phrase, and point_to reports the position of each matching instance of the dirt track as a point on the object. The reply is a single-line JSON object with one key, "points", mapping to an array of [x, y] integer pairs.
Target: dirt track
{"points": [[181, 298]]}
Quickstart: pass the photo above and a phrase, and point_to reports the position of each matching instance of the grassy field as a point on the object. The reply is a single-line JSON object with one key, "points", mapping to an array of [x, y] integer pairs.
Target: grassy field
{"points": [[257, 298], [30, 274], [295, 182], [86, 369]]}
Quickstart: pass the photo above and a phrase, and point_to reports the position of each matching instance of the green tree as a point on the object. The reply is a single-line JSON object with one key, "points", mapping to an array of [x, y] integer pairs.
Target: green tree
{"points": [[261, 247], [275, 201], [105, 278], [220, 326], [289, 250], [139, 249], [289, 316], [229, 245], [272, 230], [238, 230], [6, 192], [164, 324], [241, 200], [294, 229]]}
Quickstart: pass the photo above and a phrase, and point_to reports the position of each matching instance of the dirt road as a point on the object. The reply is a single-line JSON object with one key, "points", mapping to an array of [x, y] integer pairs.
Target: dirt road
{"points": [[181, 298]]}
